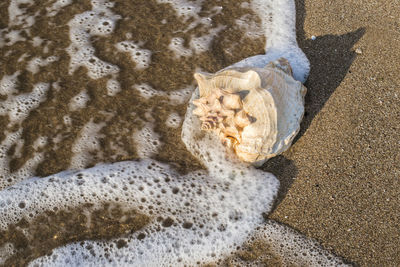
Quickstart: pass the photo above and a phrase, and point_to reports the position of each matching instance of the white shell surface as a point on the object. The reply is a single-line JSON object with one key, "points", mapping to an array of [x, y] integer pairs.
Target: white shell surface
{"points": [[272, 99]]}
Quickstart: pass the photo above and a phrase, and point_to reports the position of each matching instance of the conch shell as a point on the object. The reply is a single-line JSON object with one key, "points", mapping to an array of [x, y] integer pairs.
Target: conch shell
{"points": [[255, 111]]}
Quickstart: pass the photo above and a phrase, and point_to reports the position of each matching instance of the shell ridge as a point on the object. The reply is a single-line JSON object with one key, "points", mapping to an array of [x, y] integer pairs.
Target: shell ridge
{"points": [[255, 111]]}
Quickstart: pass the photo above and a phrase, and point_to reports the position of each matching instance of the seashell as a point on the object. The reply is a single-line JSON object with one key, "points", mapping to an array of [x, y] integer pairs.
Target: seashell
{"points": [[255, 111]]}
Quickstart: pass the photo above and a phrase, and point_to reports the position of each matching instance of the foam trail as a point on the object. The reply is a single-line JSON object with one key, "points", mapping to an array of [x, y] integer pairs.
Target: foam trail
{"points": [[292, 248], [210, 215], [211, 212], [279, 21]]}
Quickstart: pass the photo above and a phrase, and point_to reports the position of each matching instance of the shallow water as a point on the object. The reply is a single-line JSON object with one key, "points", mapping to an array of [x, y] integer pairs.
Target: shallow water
{"points": [[90, 82]]}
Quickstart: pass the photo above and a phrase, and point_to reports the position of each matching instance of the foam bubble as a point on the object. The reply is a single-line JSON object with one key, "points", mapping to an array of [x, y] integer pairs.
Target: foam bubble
{"points": [[147, 141], [8, 84], [6, 251], [79, 101], [180, 96], [37, 62], [176, 97], [189, 11], [67, 120], [147, 91], [57, 6], [7, 177], [142, 57], [177, 47], [17, 107], [249, 26], [113, 87], [202, 43], [86, 145], [184, 8], [173, 120], [23, 57], [40, 142], [37, 41], [16, 14], [11, 37]]}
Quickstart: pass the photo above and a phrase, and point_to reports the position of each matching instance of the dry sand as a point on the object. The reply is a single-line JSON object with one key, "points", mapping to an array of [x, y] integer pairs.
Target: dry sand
{"points": [[342, 186]]}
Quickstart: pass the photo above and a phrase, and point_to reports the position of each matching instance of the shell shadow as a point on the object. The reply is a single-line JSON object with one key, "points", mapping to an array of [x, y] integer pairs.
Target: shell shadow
{"points": [[285, 171], [330, 58]]}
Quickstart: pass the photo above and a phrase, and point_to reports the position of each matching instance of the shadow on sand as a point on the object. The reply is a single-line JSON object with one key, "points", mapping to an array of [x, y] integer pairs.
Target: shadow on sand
{"points": [[330, 58]]}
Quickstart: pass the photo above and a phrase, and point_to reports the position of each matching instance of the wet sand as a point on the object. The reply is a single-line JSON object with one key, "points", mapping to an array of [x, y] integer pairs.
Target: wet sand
{"points": [[340, 180]]}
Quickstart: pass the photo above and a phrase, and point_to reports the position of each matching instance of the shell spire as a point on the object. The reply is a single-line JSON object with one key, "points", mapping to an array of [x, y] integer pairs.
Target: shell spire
{"points": [[221, 111]]}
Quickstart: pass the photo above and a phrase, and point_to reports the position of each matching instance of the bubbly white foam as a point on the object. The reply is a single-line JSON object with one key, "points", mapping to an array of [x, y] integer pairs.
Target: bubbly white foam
{"points": [[279, 21], [10, 37], [180, 96], [23, 57], [57, 6], [177, 47], [147, 91], [202, 43], [173, 120], [100, 21], [292, 248], [190, 10], [6, 176], [86, 144], [79, 101], [8, 84], [176, 97], [184, 8], [37, 62], [17, 16], [147, 141], [250, 28], [17, 107], [40, 142], [6, 251], [113, 87], [142, 57], [203, 216], [67, 120], [37, 41]]}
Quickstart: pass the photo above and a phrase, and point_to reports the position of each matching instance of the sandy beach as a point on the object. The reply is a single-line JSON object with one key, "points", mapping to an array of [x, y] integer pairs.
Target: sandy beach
{"points": [[340, 181]]}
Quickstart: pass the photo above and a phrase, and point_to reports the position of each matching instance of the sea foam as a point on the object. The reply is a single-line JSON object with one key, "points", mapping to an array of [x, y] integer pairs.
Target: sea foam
{"points": [[279, 21], [100, 21], [205, 214], [17, 107]]}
